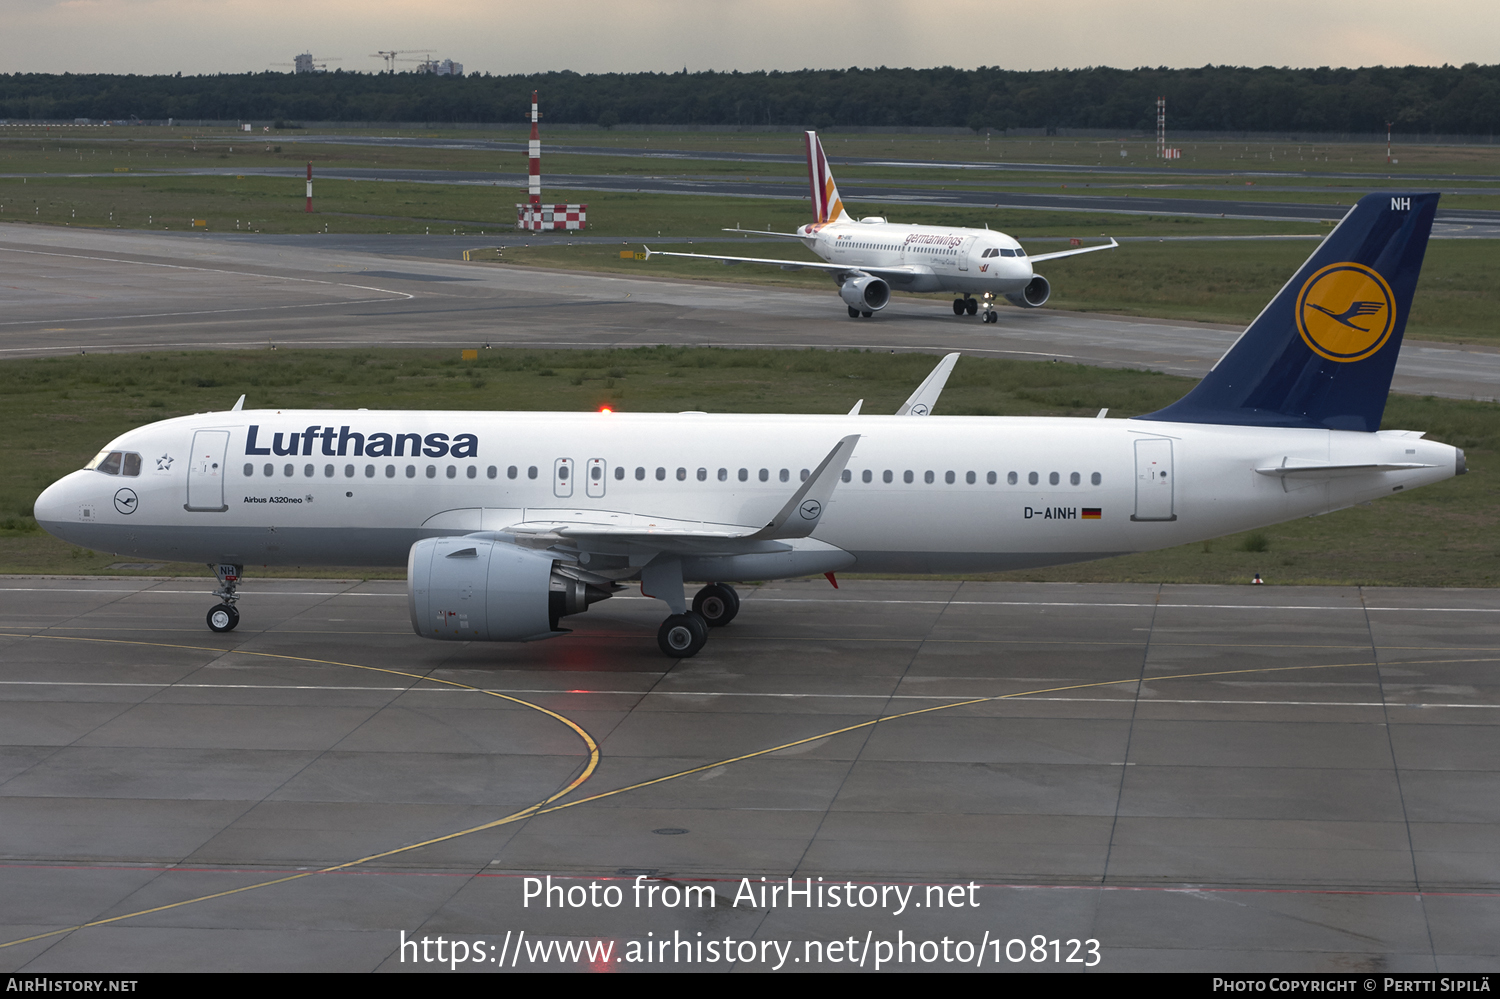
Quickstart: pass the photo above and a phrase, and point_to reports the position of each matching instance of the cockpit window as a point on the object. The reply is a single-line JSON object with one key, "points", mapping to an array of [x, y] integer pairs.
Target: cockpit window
{"points": [[116, 463], [1007, 253], [1020, 252]]}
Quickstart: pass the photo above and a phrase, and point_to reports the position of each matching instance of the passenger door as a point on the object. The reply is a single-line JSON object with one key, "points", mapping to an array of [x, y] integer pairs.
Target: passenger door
{"points": [[1155, 480], [964, 251], [205, 485], [562, 477]]}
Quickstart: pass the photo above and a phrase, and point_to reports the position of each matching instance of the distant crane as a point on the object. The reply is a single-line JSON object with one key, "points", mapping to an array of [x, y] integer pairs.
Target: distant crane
{"points": [[390, 57]]}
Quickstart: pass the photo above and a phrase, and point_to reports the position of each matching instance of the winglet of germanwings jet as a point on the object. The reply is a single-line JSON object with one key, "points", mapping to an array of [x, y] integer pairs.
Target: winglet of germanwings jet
{"points": [[920, 402], [800, 516]]}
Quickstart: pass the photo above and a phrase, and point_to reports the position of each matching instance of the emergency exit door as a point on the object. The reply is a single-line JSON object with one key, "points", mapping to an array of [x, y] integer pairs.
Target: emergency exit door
{"points": [[1155, 480]]}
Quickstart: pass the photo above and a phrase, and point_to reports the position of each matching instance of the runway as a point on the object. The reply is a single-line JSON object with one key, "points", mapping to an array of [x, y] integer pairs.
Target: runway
{"points": [[71, 290], [1198, 778]]}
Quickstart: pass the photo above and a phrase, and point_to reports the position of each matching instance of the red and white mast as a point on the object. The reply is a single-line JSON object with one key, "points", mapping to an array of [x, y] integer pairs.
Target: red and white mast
{"points": [[534, 168], [309, 186]]}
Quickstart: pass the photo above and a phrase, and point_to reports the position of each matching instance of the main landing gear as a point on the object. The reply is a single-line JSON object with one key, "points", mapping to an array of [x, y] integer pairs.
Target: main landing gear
{"points": [[683, 636], [224, 617], [971, 306], [856, 313]]}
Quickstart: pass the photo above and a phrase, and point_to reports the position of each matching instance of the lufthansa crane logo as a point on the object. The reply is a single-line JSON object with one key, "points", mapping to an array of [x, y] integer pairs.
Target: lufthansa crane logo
{"points": [[811, 509], [1346, 312], [126, 501]]}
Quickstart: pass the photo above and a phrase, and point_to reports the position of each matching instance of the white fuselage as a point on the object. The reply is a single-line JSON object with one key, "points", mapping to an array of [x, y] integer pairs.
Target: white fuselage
{"points": [[970, 261], [933, 494]]}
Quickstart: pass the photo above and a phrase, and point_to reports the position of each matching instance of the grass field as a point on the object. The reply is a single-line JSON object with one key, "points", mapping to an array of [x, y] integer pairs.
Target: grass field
{"points": [[60, 411]]}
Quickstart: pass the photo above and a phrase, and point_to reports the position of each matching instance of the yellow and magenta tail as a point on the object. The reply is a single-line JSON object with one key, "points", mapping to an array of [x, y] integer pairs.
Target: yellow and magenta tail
{"points": [[827, 206]]}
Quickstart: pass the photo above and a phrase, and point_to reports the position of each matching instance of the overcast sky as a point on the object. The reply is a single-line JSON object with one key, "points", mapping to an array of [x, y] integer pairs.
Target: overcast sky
{"points": [[511, 36]]}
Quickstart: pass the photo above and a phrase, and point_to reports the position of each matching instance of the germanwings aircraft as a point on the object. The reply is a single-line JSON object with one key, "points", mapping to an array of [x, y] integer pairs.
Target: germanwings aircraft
{"points": [[509, 522], [868, 258]]}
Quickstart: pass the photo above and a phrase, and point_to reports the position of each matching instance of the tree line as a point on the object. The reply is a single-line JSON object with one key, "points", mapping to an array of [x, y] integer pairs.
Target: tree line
{"points": [[1418, 99]]}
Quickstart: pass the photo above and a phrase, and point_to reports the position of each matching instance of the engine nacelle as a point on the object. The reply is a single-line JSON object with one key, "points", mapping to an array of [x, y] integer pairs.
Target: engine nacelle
{"points": [[476, 590], [1034, 295], [865, 293]]}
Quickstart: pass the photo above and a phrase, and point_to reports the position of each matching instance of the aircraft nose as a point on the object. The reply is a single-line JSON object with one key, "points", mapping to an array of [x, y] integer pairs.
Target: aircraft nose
{"points": [[52, 505]]}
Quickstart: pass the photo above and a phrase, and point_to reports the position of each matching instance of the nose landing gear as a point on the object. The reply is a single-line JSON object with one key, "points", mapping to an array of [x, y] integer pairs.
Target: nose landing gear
{"points": [[224, 617]]}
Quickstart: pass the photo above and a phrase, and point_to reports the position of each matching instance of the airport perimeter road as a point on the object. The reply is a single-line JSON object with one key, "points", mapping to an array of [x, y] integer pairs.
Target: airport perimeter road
{"points": [[1178, 778], [69, 290]]}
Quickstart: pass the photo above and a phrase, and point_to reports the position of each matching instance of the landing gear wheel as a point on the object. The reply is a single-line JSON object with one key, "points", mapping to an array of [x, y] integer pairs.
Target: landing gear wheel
{"points": [[717, 604], [958, 306], [853, 312], [223, 618], [682, 636], [992, 316], [971, 306], [867, 315]]}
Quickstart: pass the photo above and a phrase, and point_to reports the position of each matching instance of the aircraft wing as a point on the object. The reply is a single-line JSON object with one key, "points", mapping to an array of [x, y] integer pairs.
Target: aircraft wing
{"points": [[798, 518], [764, 232], [1038, 258], [897, 273]]}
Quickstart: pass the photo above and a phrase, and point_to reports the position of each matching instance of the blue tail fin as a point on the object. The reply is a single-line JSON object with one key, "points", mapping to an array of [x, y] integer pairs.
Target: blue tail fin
{"points": [[1322, 353]]}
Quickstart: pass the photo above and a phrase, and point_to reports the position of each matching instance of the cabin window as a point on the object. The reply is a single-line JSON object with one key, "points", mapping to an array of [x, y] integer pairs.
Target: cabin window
{"points": [[491, 472], [1075, 478], [765, 475], [370, 471], [1053, 478], [288, 471], [596, 473], [723, 475], [452, 472], [640, 474], [390, 471], [970, 477], [681, 475], [562, 473], [1096, 478], [927, 477], [1033, 478], [327, 471], [866, 475], [249, 471], [432, 471], [411, 471], [785, 475], [619, 473], [907, 476], [847, 475], [702, 475], [948, 477], [886, 476], [307, 470], [661, 474], [744, 475], [531, 471], [472, 472], [348, 471], [990, 478], [268, 470], [510, 472]]}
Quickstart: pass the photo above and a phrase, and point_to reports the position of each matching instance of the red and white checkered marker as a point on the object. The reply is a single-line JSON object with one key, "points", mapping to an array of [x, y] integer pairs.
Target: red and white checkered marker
{"points": [[537, 218]]}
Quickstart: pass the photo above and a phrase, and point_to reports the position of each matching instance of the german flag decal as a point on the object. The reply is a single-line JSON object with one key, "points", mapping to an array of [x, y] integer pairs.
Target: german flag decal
{"points": [[1091, 513]]}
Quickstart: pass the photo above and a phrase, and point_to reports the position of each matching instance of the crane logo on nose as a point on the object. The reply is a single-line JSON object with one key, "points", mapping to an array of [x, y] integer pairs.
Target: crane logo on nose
{"points": [[126, 501]]}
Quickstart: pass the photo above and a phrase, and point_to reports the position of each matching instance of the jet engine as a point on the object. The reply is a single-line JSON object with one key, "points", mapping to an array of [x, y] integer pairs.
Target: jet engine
{"points": [[469, 589], [865, 293], [1034, 295]]}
